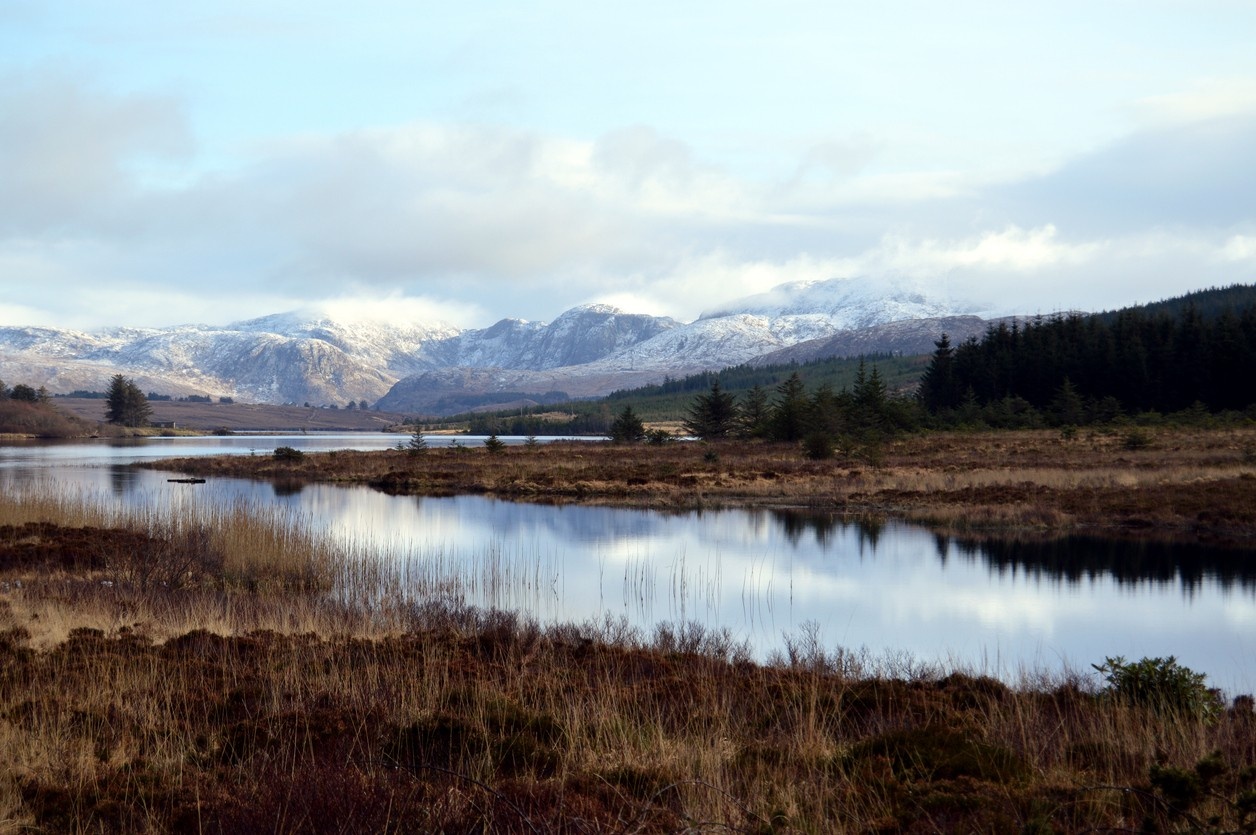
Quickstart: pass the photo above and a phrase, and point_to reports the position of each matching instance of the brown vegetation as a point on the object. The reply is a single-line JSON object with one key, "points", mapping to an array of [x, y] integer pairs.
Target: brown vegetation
{"points": [[38, 420], [291, 710], [226, 671], [1197, 484]]}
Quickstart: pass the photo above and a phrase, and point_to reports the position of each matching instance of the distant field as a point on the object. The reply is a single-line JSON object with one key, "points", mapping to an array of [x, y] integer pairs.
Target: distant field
{"points": [[244, 416]]}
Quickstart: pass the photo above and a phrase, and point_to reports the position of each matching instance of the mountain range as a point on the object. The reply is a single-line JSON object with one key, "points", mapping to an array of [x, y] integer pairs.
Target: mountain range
{"points": [[434, 368]]}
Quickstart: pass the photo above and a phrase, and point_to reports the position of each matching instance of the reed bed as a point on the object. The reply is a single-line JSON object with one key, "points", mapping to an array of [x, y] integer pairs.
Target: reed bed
{"points": [[265, 678]]}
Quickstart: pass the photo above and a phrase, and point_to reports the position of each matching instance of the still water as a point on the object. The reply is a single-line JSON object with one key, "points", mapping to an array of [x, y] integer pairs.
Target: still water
{"points": [[894, 589]]}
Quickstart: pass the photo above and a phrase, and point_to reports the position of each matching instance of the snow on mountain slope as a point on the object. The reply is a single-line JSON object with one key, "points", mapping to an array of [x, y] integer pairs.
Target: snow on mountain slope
{"points": [[849, 303], [281, 358], [580, 335], [312, 356]]}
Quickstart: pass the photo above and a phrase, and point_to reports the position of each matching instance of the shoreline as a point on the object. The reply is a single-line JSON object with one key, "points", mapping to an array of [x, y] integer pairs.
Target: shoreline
{"points": [[1184, 485]]}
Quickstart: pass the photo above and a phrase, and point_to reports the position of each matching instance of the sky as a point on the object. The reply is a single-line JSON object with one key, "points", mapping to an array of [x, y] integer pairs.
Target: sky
{"points": [[166, 163]]}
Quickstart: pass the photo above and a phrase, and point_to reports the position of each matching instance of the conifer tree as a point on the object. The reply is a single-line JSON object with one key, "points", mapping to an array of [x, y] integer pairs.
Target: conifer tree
{"points": [[126, 403], [417, 444], [937, 386], [627, 428], [713, 416], [754, 415], [789, 413]]}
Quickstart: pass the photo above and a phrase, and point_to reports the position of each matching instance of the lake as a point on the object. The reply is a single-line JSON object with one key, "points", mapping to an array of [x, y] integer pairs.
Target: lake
{"points": [[896, 590]]}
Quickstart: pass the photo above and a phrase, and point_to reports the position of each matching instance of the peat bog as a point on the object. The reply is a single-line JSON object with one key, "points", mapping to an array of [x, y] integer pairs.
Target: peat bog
{"points": [[201, 675]]}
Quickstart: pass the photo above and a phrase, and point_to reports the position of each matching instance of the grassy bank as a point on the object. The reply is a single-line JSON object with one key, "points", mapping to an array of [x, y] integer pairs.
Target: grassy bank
{"points": [[1193, 484], [230, 673]]}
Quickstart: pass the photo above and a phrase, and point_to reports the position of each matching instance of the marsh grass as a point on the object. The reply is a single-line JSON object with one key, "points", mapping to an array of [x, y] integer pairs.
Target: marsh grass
{"points": [[1172, 483], [269, 678]]}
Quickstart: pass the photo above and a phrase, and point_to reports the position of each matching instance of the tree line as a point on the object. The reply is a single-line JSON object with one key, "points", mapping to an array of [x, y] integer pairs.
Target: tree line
{"points": [[854, 420], [1074, 369], [22, 393]]}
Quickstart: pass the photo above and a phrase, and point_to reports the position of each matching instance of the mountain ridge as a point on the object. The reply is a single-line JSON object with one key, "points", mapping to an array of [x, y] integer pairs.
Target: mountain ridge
{"points": [[588, 350]]}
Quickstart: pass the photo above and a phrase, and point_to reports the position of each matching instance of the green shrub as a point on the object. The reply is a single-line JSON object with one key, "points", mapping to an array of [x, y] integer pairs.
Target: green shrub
{"points": [[287, 453], [1161, 684], [818, 446]]}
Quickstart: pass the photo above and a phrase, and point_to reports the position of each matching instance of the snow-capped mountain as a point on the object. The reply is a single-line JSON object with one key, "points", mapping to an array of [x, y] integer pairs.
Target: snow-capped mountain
{"points": [[429, 367], [850, 303], [581, 335], [281, 358]]}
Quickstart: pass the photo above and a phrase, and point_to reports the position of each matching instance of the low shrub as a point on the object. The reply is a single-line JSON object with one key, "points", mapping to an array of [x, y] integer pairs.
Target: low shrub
{"points": [[1161, 684]]}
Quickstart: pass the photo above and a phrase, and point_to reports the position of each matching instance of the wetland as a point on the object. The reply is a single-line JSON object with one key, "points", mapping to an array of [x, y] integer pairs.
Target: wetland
{"points": [[702, 636]]}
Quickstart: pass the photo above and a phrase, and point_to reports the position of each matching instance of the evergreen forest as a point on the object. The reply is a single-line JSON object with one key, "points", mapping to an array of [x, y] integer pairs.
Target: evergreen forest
{"points": [[1195, 353]]}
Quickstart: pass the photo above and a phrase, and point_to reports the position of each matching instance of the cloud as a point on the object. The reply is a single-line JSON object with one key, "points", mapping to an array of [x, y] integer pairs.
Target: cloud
{"points": [[72, 158], [474, 222], [395, 307], [1204, 99], [1197, 174]]}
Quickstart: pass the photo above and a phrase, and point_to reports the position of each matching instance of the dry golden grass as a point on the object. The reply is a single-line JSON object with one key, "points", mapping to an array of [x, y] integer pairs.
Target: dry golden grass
{"points": [[231, 672], [471, 721]]}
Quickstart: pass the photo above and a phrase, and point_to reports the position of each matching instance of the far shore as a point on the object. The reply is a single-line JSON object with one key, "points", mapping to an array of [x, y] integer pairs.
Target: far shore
{"points": [[242, 417], [1173, 484]]}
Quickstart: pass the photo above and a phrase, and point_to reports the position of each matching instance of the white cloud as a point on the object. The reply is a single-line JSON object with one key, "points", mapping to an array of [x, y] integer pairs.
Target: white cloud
{"points": [[1012, 248], [1240, 248], [72, 158], [1200, 100], [397, 308], [471, 223]]}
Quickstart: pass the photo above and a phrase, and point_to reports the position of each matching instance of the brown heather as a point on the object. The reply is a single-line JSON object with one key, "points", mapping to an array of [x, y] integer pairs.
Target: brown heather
{"points": [[228, 672]]}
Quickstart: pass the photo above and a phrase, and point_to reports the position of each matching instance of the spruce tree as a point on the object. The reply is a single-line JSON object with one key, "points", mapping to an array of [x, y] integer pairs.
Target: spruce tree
{"points": [[126, 403], [790, 412], [418, 444], [755, 414], [713, 416], [627, 428], [937, 385]]}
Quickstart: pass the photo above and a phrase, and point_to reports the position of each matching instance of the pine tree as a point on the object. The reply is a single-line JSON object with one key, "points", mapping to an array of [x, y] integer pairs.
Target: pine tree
{"points": [[937, 385], [418, 444], [713, 416], [869, 400], [1067, 408], [755, 414], [789, 413], [126, 403], [627, 428]]}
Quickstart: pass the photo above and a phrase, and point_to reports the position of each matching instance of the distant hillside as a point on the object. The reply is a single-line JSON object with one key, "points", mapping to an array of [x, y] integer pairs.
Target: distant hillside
{"points": [[1208, 304], [670, 400], [1196, 351]]}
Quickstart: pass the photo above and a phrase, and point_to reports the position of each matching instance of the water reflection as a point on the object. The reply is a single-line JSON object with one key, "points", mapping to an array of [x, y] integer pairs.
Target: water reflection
{"points": [[883, 585], [1083, 559], [122, 479]]}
